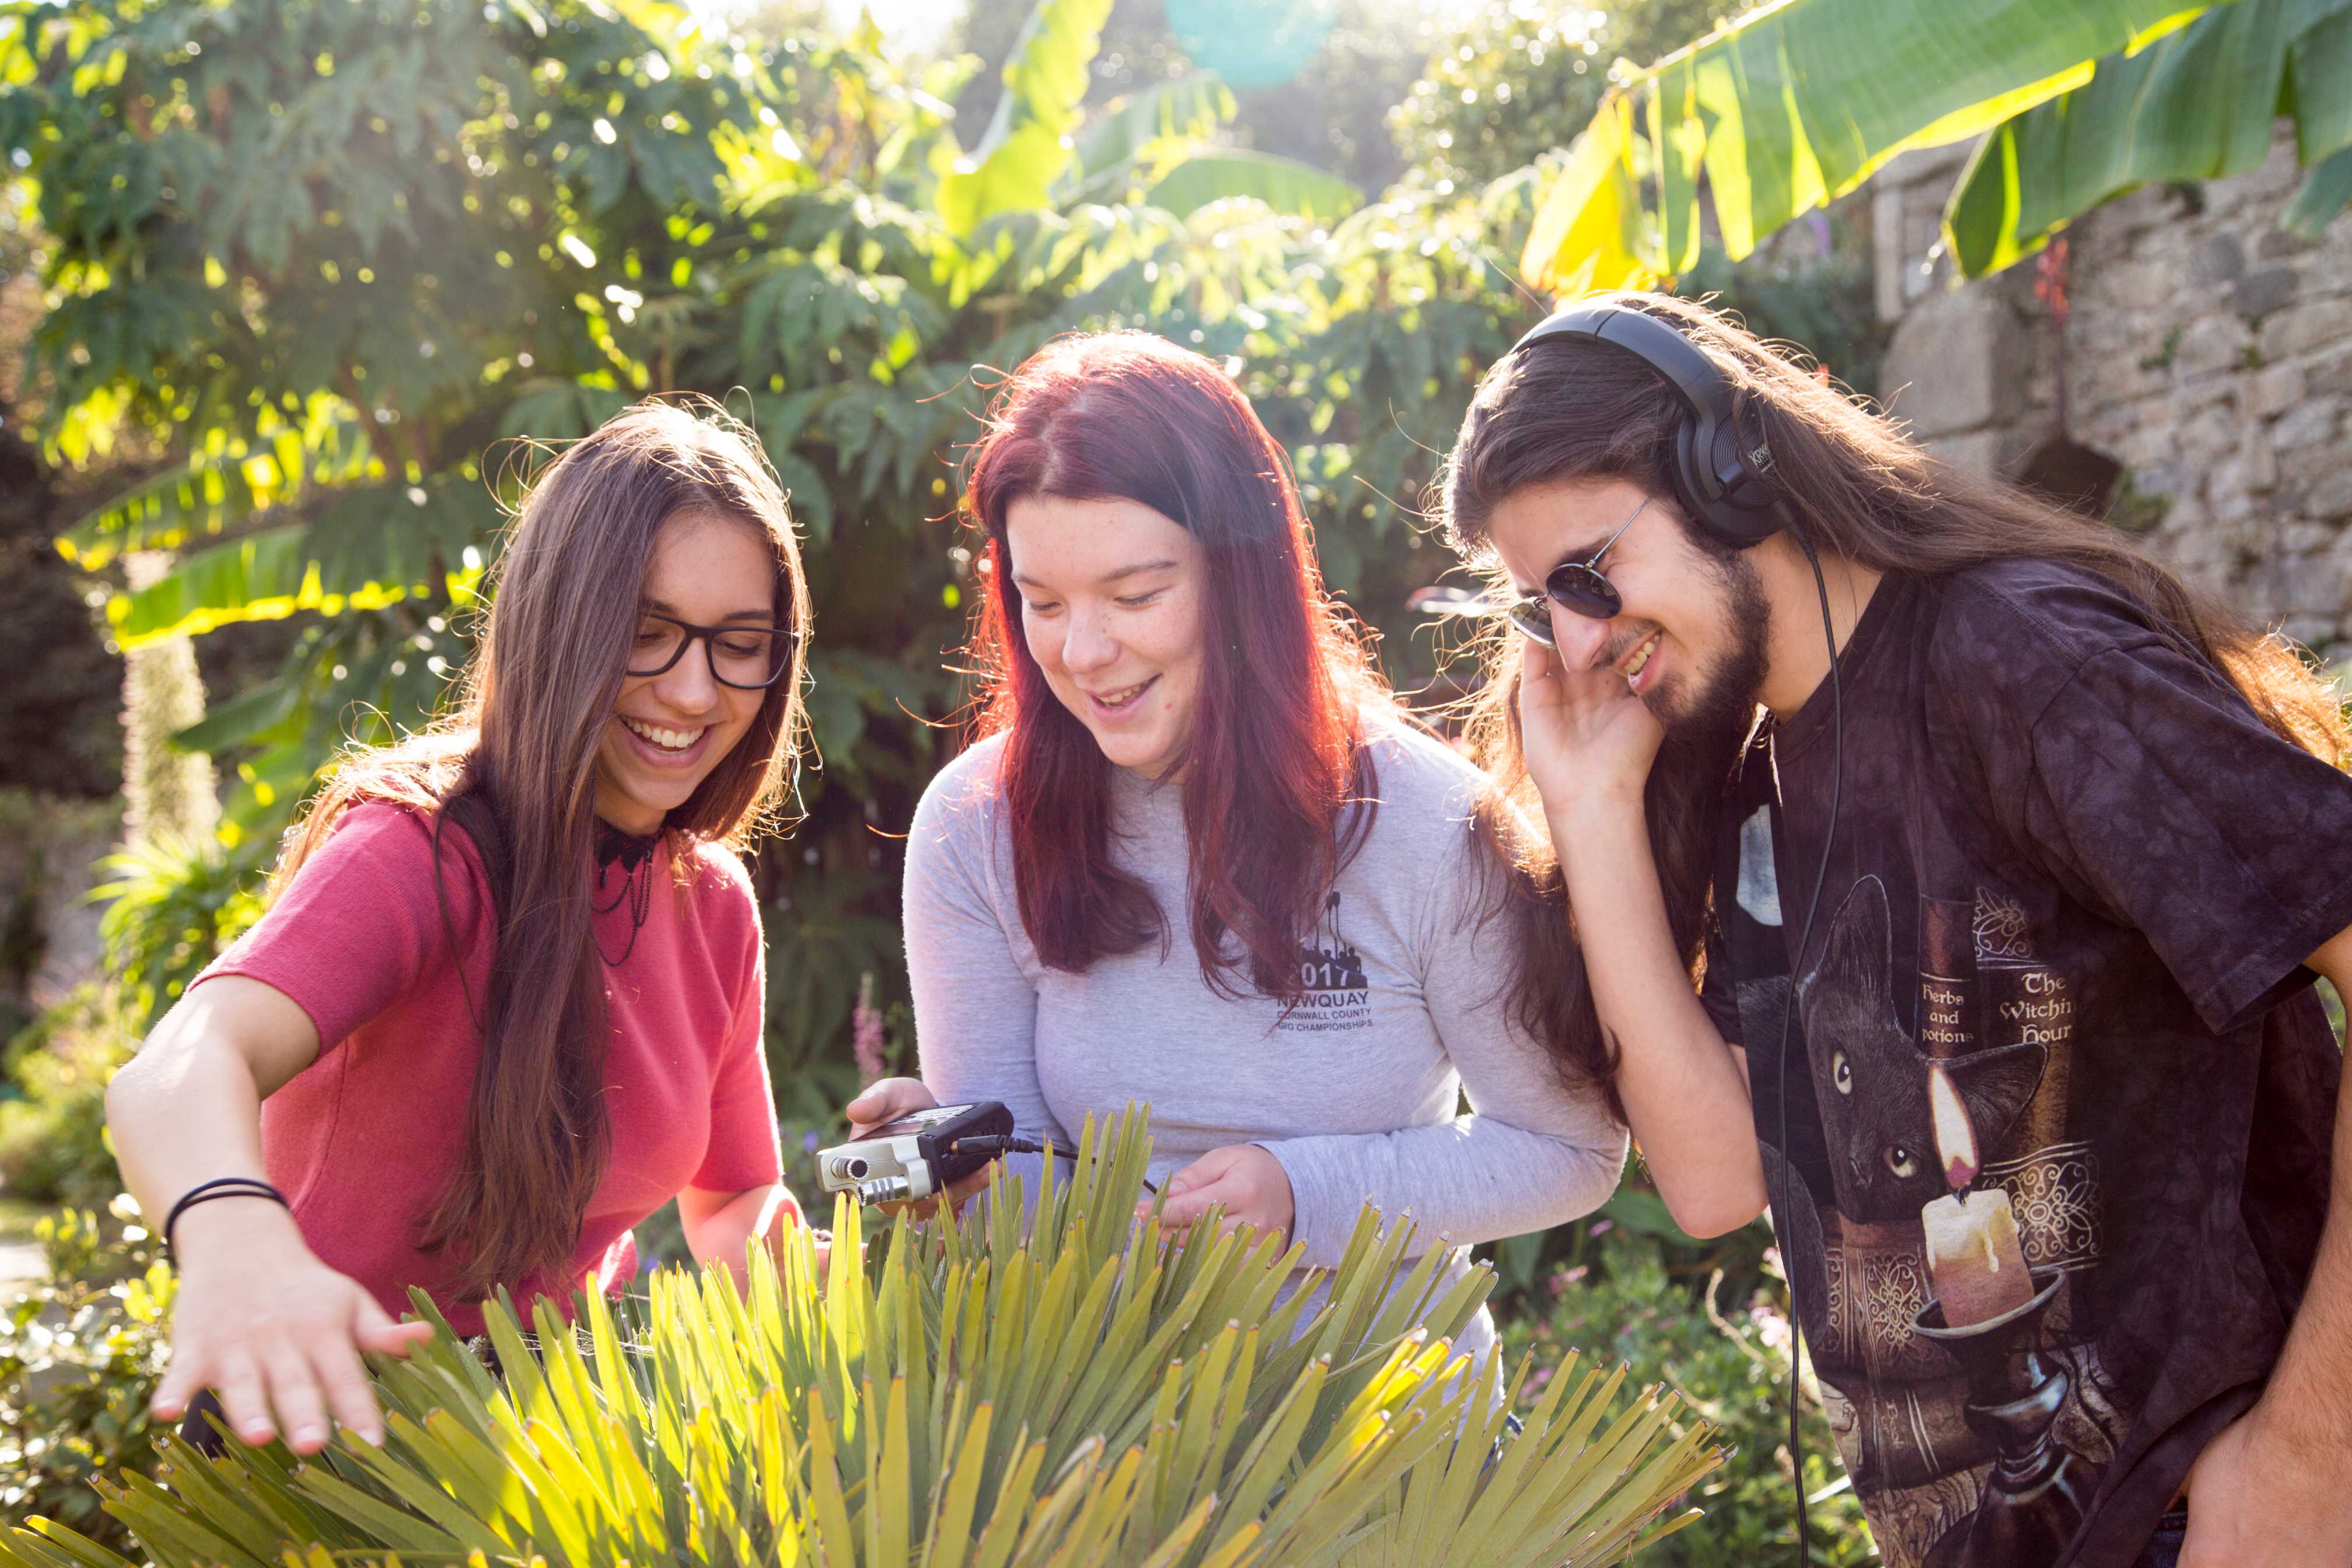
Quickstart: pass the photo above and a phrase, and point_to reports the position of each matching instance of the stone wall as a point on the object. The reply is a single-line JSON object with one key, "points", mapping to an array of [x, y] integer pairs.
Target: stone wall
{"points": [[2210, 355]]}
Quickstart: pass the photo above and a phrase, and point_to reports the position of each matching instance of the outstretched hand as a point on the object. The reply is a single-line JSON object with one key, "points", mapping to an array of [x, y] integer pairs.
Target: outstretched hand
{"points": [[1244, 1178], [277, 1333]]}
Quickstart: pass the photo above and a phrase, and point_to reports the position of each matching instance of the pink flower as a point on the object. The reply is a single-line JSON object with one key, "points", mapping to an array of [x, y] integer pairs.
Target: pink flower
{"points": [[865, 1033]]}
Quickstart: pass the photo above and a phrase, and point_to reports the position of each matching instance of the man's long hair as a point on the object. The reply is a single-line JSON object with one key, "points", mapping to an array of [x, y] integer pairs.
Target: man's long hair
{"points": [[1275, 780], [514, 768], [1575, 409]]}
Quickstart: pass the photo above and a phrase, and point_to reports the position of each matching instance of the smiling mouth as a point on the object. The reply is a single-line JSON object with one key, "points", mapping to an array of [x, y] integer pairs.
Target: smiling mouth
{"points": [[668, 739], [1122, 699], [1632, 665]]}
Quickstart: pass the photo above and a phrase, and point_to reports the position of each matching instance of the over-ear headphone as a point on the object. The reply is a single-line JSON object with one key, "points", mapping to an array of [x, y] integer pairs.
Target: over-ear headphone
{"points": [[1722, 471]]}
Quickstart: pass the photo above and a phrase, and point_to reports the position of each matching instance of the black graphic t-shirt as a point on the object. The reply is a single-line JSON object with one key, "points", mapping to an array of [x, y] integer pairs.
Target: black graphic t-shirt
{"points": [[2059, 1093]]}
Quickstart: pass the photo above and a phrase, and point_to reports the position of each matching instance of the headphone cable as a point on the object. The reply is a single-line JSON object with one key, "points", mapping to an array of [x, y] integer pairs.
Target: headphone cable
{"points": [[993, 1146], [1787, 1017]]}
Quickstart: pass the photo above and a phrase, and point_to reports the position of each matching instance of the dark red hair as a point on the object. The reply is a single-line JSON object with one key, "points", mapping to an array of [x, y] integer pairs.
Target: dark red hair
{"points": [[1276, 784]]}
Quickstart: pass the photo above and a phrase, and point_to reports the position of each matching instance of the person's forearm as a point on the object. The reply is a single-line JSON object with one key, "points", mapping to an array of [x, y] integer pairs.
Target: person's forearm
{"points": [[1475, 1178], [182, 1115], [2309, 1398], [1684, 1090], [724, 1234]]}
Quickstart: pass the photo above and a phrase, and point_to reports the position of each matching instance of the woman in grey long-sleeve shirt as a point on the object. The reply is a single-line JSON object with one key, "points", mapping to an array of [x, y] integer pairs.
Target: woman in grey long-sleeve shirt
{"points": [[1317, 1061]]}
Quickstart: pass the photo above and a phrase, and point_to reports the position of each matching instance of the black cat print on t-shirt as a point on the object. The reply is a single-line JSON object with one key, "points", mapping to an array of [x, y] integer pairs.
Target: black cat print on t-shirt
{"points": [[2073, 879]]}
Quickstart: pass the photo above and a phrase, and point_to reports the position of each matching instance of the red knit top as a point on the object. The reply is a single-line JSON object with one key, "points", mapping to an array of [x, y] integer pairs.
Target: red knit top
{"points": [[364, 1139]]}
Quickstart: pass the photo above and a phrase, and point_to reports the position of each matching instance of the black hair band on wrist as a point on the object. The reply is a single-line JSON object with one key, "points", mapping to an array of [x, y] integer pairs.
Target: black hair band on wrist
{"points": [[219, 1187]]}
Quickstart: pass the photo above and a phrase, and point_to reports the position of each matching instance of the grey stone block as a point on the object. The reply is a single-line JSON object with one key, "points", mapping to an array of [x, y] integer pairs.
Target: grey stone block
{"points": [[2300, 329], [2275, 391], [1977, 453], [2313, 420], [2273, 244], [2258, 294], [2331, 496], [2212, 343], [1955, 362], [2215, 260], [2330, 375], [2260, 459]]}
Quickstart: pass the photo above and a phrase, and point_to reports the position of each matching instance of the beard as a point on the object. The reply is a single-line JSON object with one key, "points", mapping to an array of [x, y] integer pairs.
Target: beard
{"points": [[1720, 709]]}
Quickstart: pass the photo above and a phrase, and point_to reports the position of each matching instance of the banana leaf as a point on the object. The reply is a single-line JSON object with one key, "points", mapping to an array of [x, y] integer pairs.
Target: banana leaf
{"points": [[2198, 105], [1800, 102]]}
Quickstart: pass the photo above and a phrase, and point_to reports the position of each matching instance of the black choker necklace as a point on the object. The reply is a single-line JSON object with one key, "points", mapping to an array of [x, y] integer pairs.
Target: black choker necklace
{"points": [[630, 849], [634, 854]]}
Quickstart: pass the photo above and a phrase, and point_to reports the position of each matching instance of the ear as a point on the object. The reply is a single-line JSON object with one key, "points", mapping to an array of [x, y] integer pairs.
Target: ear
{"points": [[1854, 968], [1995, 1086]]}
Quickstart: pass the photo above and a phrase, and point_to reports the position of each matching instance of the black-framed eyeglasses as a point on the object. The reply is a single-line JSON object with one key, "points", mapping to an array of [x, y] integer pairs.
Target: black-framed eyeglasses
{"points": [[1575, 585], [748, 658]]}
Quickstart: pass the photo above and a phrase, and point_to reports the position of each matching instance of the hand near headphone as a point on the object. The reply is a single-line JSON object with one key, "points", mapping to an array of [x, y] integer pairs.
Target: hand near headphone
{"points": [[1587, 738]]}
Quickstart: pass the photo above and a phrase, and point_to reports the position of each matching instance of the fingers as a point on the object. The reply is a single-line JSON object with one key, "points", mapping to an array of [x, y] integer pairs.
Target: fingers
{"points": [[375, 1331], [1187, 1200], [244, 1398], [294, 1392], [1547, 682], [349, 1394], [183, 1381], [964, 1189], [1537, 663], [887, 1099]]}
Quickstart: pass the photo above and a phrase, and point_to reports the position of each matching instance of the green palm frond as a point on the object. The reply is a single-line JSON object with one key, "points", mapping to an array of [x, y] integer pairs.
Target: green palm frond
{"points": [[1796, 103], [2199, 104], [1028, 1385]]}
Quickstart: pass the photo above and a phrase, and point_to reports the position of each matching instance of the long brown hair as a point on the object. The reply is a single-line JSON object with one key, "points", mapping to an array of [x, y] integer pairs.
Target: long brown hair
{"points": [[1858, 486], [513, 766], [1277, 782]]}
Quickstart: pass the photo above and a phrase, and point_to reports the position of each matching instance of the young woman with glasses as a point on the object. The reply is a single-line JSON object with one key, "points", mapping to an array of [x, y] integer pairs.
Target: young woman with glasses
{"points": [[1199, 860], [507, 1001]]}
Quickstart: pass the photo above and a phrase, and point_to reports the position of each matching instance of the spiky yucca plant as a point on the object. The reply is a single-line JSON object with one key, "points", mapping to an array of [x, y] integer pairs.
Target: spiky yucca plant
{"points": [[1056, 1388]]}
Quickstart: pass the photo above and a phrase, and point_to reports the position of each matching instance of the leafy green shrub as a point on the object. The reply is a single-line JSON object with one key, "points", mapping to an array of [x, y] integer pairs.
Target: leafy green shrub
{"points": [[173, 905], [1508, 84], [1526, 1266], [1731, 1368], [992, 1389], [79, 1359], [53, 1130]]}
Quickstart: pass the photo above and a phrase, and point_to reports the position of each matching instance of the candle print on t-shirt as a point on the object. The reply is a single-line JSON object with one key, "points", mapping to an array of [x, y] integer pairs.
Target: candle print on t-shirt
{"points": [[1941, 1270], [2058, 1098]]}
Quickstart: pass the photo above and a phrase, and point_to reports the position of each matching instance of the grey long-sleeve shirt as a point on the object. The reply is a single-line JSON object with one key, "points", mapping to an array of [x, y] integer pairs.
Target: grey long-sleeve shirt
{"points": [[1356, 1091]]}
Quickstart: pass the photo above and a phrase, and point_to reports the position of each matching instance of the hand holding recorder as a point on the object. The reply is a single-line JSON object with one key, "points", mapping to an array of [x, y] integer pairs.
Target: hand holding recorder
{"points": [[906, 1147]]}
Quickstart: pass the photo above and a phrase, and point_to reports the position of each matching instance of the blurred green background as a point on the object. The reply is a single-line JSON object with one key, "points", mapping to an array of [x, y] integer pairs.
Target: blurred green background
{"points": [[286, 288]]}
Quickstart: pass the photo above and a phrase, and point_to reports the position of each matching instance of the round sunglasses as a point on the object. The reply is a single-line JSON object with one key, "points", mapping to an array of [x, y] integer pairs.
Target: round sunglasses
{"points": [[1574, 585]]}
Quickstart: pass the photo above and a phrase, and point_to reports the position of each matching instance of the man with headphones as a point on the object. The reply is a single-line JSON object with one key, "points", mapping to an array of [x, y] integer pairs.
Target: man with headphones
{"points": [[2005, 863]]}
